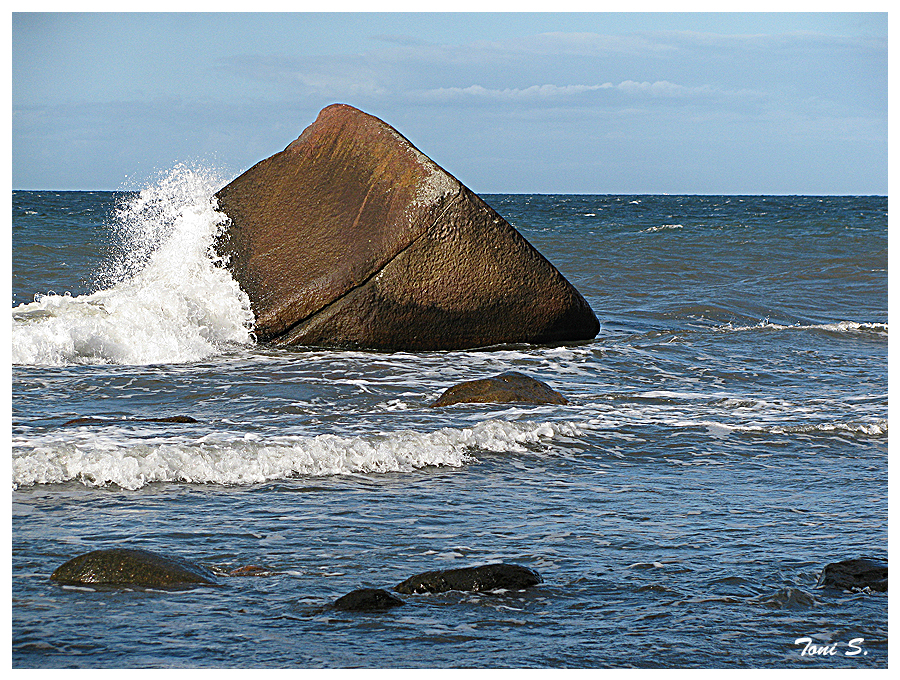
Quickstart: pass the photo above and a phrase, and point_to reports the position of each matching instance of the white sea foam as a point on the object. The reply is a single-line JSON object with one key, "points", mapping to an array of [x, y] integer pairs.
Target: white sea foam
{"points": [[836, 327], [662, 227], [166, 299], [874, 429], [864, 429], [100, 459]]}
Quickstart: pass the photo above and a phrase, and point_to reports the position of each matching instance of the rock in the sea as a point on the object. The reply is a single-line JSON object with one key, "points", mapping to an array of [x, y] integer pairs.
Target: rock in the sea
{"points": [[505, 388], [855, 574], [251, 570], [352, 237], [481, 579], [367, 600], [126, 566], [90, 420]]}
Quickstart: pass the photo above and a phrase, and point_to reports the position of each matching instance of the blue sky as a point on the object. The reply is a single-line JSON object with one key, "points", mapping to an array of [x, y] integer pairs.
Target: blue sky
{"points": [[760, 103]]}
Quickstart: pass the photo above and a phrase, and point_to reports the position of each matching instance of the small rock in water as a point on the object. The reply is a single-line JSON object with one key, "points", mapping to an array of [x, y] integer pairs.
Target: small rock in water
{"points": [[505, 388], [250, 570], [90, 420], [479, 579], [367, 600], [855, 574], [125, 566]]}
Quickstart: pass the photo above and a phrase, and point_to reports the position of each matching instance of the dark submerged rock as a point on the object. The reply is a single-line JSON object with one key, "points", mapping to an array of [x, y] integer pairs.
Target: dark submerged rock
{"points": [[855, 574], [127, 566], [367, 600], [251, 570], [505, 388], [480, 579], [170, 419], [352, 237], [90, 420]]}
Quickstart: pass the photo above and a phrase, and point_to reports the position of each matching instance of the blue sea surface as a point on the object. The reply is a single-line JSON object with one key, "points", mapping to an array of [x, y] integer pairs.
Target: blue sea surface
{"points": [[726, 438]]}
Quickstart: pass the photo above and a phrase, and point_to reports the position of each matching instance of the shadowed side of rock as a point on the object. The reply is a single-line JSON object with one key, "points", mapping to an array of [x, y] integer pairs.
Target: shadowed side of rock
{"points": [[479, 579], [511, 387], [125, 566], [352, 237]]}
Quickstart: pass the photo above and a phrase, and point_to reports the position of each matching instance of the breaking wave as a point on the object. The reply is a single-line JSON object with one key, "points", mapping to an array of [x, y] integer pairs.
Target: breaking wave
{"points": [[231, 459], [164, 298]]}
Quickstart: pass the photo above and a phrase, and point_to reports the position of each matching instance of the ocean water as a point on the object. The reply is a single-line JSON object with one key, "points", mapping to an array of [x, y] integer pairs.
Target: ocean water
{"points": [[726, 438]]}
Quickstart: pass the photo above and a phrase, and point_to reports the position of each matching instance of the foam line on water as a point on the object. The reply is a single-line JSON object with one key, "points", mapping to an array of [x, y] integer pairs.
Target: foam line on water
{"points": [[231, 459], [836, 327]]}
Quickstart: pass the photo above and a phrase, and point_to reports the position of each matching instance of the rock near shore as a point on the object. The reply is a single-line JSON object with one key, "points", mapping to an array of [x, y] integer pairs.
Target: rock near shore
{"points": [[478, 579], [351, 237], [368, 600], [855, 574], [506, 388], [127, 566]]}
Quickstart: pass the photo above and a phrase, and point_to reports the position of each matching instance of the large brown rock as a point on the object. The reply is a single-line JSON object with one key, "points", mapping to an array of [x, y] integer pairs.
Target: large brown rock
{"points": [[352, 237]]}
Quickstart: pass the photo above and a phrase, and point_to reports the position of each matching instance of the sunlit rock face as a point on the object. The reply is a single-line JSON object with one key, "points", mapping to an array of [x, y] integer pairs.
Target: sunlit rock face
{"points": [[351, 237], [506, 388]]}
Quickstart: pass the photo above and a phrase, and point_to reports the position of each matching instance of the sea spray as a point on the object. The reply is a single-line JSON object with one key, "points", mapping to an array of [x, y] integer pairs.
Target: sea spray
{"points": [[164, 295]]}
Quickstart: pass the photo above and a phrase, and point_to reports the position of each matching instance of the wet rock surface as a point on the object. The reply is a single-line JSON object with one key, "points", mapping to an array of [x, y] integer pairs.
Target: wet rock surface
{"points": [[251, 570], [855, 574], [126, 566], [351, 237], [368, 600], [511, 387], [91, 420], [479, 579]]}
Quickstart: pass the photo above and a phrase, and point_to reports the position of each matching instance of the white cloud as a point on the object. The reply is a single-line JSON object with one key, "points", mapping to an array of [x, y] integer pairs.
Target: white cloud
{"points": [[402, 40], [660, 88], [533, 92], [593, 44]]}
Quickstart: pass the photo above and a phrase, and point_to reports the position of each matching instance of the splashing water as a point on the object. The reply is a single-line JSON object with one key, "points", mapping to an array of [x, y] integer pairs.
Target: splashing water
{"points": [[165, 297]]}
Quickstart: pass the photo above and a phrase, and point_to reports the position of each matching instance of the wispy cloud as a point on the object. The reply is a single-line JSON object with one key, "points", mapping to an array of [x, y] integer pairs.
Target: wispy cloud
{"points": [[660, 66], [404, 40], [339, 76], [660, 88]]}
